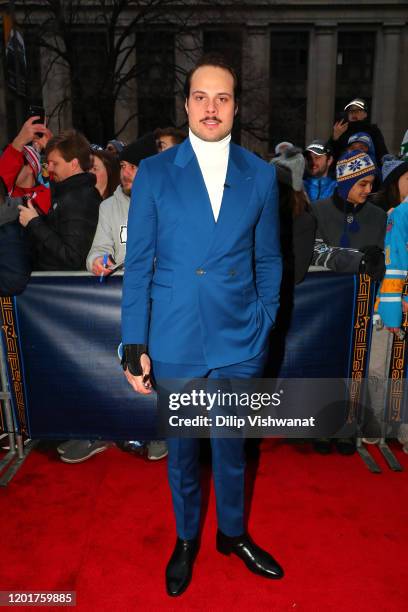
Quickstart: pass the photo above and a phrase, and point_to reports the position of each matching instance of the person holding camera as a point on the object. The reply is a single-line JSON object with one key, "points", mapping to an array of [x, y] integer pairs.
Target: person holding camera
{"points": [[61, 239], [20, 165], [353, 120]]}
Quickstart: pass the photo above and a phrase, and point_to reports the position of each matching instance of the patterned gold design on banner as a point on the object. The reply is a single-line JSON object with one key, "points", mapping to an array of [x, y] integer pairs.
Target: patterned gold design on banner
{"points": [[397, 367], [10, 336], [360, 343]]}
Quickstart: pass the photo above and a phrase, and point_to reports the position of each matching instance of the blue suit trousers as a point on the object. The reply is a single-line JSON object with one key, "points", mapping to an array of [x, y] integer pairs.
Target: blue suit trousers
{"points": [[228, 460]]}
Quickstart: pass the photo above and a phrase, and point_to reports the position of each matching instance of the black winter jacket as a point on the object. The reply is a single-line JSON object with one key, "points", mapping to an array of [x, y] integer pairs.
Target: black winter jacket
{"points": [[61, 239]]}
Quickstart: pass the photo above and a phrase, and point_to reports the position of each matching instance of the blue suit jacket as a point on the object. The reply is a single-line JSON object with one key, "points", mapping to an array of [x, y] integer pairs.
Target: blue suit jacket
{"points": [[197, 291]]}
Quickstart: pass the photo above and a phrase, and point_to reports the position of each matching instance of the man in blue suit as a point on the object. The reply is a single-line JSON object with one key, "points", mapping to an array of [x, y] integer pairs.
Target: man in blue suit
{"points": [[200, 295]]}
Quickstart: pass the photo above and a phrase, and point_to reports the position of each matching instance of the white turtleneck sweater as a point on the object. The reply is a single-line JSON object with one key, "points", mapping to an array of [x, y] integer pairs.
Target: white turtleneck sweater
{"points": [[213, 161]]}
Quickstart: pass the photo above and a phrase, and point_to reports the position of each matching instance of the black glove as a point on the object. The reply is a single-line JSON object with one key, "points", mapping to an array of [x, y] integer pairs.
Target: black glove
{"points": [[131, 358], [372, 262]]}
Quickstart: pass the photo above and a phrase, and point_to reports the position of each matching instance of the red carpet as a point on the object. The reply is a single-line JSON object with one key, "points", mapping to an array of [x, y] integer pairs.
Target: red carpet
{"points": [[104, 528]]}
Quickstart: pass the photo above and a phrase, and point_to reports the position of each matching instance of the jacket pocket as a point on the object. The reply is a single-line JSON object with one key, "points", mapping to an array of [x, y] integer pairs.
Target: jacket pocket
{"points": [[162, 285], [158, 292]]}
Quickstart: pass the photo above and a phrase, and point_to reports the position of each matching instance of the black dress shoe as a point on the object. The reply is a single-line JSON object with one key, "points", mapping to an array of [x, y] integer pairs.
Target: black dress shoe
{"points": [[346, 446], [257, 560], [180, 567], [323, 446]]}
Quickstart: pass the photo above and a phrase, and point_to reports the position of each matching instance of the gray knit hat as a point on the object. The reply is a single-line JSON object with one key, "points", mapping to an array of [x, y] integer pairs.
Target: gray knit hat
{"points": [[392, 169], [292, 158]]}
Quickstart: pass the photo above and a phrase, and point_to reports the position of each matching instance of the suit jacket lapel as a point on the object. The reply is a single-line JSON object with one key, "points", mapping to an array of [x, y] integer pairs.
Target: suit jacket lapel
{"points": [[237, 191], [193, 196]]}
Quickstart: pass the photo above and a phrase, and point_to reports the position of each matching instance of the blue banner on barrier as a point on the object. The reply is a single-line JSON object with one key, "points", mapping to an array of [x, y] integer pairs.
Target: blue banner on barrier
{"points": [[69, 328]]}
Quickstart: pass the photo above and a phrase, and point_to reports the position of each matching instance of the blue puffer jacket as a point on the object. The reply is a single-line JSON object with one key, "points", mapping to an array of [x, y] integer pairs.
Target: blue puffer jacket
{"points": [[319, 188]]}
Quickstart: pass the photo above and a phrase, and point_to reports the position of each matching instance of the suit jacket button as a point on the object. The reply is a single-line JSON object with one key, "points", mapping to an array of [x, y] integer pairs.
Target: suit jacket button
{"points": [[232, 272], [200, 271]]}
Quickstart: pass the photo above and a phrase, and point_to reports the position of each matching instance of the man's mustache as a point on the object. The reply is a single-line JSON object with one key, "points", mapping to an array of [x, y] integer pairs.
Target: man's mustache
{"points": [[211, 119]]}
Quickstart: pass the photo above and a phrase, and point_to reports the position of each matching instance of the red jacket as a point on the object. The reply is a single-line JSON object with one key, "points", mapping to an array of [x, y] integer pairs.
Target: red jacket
{"points": [[11, 163]]}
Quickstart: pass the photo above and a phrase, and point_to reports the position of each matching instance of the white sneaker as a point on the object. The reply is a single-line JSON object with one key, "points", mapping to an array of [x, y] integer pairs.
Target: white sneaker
{"points": [[157, 449], [371, 440]]}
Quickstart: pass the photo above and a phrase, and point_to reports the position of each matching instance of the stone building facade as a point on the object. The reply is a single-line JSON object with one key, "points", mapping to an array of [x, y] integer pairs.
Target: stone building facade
{"points": [[299, 61]]}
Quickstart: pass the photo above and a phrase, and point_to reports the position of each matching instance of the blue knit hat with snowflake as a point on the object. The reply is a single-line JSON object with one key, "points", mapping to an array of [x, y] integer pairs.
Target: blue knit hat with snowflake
{"points": [[351, 167]]}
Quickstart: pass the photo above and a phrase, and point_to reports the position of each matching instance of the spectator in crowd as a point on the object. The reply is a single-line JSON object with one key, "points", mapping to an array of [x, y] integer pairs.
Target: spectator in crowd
{"points": [[362, 142], [15, 264], [298, 226], [297, 235], [110, 236], [106, 168], [356, 120], [281, 147], [110, 241], [168, 137], [61, 239], [20, 165], [389, 196], [319, 183], [115, 147], [390, 303], [350, 236]]}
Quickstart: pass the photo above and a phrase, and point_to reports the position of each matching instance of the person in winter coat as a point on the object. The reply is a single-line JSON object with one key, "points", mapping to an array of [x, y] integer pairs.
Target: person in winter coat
{"points": [[20, 165], [15, 264], [61, 239], [390, 302], [297, 224], [356, 120], [319, 183], [111, 232], [350, 229], [350, 237]]}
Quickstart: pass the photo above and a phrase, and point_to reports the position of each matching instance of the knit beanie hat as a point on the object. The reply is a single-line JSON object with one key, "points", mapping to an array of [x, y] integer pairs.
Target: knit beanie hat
{"points": [[117, 144], [140, 149], [33, 159], [365, 139], [292, 159], [351, 167], [393, 168], [282, 145]]}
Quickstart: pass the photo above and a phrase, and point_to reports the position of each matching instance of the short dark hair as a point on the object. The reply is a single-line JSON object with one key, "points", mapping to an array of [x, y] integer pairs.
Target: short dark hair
{"points": [[71, 144], [175, 133], [112, 167], [219, 61]]}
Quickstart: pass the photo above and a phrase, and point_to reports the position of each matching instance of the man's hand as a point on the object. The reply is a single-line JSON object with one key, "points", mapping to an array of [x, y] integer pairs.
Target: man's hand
{"points": [[40, 142], [99, 269], [27, 133], [339, 128], [141, 384], [27, 214]]}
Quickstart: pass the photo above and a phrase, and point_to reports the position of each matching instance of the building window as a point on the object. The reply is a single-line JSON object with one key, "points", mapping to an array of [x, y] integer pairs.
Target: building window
{"points": [[288, 83], [355, 67], [33, 74], [155, 80], [91, 104]]}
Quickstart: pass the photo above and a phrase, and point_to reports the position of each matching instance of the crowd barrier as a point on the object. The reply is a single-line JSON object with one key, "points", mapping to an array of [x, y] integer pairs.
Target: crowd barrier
{"points": [[61, 337]]}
